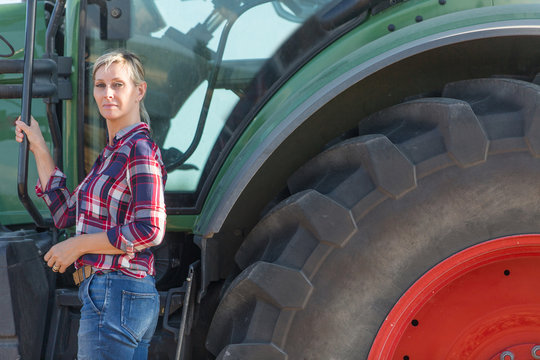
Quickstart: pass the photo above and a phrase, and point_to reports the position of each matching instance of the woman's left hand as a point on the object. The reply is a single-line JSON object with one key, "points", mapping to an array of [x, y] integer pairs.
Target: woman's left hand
{"points": [[65, 253], [62, 255]]}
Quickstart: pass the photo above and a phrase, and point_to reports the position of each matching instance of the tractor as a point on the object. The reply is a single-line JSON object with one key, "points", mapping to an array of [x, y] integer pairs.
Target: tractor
{"points": [[347, 179]]}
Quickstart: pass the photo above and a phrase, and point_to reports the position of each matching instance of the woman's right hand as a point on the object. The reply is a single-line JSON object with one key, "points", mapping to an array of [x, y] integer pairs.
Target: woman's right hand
{"points": [[38, 146], [33, 133]]}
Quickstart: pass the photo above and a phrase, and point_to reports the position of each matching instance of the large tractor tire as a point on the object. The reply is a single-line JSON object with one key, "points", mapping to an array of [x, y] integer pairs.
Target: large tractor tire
{"points": [[406, 241]]}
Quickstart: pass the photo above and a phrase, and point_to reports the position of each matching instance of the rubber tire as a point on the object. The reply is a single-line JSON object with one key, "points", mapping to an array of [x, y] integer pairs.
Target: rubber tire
{"points": [[425, 180]]}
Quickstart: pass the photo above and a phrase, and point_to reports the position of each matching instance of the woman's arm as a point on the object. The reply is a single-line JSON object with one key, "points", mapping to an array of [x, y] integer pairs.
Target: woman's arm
{"points": [[52, 182], [44, 161], [146, 180], [68, 251]]}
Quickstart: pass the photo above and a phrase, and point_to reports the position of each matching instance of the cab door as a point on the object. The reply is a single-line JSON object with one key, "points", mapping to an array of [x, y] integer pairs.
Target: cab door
{"points": [[26, 231]]}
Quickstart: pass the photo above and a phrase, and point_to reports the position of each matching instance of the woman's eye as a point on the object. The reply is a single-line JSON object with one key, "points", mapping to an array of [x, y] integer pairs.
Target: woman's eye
{"points": [[99, 85], [118, 84]]}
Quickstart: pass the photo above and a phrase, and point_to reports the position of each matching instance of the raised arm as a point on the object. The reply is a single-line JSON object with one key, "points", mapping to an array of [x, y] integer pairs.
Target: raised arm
{"points": [[44, 161], [52, 182]]}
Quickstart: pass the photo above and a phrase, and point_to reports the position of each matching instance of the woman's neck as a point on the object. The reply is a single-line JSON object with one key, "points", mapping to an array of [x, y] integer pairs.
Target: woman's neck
{"points": [[113, 127]]}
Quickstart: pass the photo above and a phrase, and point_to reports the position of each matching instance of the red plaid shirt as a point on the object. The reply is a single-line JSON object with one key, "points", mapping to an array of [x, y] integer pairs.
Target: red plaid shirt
{"points": [[123, 196]]}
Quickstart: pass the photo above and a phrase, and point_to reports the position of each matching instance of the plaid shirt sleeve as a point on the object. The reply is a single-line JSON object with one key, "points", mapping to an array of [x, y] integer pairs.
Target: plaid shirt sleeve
{"points": [[146, 182], [61, 203]]}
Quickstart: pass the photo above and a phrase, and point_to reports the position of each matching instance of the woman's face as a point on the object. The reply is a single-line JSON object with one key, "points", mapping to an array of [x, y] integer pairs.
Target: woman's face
{"points": [[116, 95]]}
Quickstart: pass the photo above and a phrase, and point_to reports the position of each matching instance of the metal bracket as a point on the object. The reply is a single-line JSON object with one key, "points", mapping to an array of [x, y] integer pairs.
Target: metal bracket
{"points": [[49, 79], [60, 78], [115, 19], [187, 304]]}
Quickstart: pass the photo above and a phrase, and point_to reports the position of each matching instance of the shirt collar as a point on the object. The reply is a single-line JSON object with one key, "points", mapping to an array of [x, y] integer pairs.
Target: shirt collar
{"points": [[128, 130]]}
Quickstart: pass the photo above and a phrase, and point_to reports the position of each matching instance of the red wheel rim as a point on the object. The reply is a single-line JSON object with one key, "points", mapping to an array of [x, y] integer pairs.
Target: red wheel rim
{"points": [[482, 303]]}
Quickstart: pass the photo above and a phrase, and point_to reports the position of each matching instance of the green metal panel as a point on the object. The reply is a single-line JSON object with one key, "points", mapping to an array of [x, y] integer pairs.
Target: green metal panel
{"points": [[12, 18], [364, 43], [181, 222], [514, 2]]}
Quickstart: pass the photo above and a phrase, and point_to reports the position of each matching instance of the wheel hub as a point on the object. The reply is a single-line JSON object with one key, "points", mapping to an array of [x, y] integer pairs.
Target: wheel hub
{"points": [[481, 303]]}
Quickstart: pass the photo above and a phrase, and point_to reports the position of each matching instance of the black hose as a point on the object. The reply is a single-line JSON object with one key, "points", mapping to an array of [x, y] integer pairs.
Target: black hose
{"points": [[9, 46], [52, 116], [207, 100]]}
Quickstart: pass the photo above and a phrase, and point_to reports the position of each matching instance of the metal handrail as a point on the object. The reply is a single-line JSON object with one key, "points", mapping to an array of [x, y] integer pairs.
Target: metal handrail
{"points": [[26, 108]]}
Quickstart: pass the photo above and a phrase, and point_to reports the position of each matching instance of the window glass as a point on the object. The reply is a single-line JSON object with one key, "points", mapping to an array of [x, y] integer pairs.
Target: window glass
{"points": [[180, 43]]}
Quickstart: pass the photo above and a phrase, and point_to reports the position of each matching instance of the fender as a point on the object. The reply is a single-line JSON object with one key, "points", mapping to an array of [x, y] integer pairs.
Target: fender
{"points": [[325, 89]]}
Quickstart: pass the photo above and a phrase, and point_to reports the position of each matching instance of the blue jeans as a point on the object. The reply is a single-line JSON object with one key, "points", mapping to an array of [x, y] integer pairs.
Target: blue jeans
{"points": [[118, 316]]}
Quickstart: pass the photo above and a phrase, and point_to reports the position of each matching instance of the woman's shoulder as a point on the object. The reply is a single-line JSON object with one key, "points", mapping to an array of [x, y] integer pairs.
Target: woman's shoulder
{"points": [[141, 145], [139, 140], [143, 150]]}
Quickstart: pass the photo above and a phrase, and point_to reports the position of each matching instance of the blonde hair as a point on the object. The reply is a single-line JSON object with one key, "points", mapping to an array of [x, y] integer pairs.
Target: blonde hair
{"points": [[134, 67]]}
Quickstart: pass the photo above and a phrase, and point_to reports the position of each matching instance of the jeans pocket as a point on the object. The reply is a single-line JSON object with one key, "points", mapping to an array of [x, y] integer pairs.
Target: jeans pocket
{"points": [[138, 312], [94, 292]]}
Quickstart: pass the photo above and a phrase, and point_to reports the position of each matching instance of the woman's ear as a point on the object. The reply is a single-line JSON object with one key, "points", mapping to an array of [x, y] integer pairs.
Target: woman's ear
{"points": [[142, 90]]}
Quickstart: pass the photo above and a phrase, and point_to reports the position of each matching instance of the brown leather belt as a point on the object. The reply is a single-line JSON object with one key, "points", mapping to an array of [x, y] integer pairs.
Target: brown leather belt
{"points": [[83, 273]]}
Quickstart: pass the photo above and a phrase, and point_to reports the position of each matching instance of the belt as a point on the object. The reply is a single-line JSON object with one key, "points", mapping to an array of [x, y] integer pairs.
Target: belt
{"points": [[83, 273]]}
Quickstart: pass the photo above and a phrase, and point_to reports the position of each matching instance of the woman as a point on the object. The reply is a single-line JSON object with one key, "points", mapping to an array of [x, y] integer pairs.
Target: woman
{"points": [[118, 211]]}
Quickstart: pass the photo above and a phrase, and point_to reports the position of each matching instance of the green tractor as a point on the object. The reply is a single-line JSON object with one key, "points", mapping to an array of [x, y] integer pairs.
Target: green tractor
{"points": [[351, 179]]}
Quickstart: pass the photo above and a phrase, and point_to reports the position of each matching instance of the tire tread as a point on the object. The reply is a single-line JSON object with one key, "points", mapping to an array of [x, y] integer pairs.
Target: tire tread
{"points": [[332, 192]]}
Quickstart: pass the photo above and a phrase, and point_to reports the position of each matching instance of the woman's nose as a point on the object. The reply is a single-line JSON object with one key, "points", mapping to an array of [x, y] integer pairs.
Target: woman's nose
{"points": [[108, 93]]}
